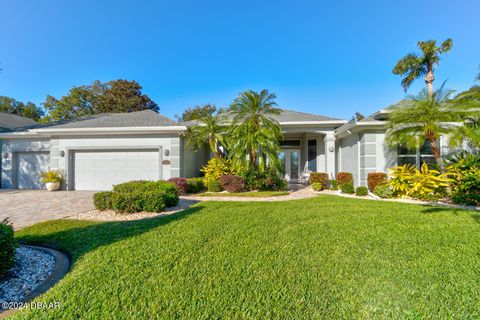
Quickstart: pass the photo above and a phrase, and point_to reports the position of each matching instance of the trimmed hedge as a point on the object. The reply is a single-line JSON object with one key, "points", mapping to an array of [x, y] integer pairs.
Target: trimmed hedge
{"points": [[8, 245], [344, 177], [362, 191], [321, 177], [348, 187], [232, 183], [103, 200], [137, 196], [214, 186], [181, 184], [194, 185], [375, 179], [317, 186]]}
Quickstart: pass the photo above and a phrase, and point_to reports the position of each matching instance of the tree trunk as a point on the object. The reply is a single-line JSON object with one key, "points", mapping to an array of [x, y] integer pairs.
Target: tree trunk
{"points": [[253, 158], [429, 81], [437, 155]]}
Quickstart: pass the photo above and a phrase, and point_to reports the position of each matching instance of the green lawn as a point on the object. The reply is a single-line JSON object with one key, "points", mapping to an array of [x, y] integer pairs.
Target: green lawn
{"points": [[252, 194], [327, 257]]}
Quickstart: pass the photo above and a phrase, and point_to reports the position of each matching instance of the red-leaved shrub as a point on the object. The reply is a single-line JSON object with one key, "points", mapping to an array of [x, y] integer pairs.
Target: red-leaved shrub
{"points": [[181, 184], [375, 179], [321, 177], [232, 183], [344, 177]]}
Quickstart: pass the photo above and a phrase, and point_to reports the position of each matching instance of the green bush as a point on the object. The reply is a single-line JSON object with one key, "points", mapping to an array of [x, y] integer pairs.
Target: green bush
{"points": [[347, 187], [464, 171], [362, 191], [140, 186], [383, 191], [317, 186], [150, 201], [272, 183], [103, 200], [8, 245], [214, 186], [321, 177], [269, 180], [194, 185], [332, 184]]}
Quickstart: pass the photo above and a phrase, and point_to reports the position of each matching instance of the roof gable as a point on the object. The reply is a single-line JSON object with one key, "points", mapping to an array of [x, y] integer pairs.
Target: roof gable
{"points": [[12, 121]]}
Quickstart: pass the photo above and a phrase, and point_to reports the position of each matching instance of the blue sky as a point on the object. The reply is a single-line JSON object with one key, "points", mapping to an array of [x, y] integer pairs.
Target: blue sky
{"points": [[325, 57]]}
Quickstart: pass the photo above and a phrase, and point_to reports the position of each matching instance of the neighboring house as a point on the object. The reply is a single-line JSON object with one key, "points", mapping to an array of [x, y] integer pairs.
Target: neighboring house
{"points": [[99, 151]]}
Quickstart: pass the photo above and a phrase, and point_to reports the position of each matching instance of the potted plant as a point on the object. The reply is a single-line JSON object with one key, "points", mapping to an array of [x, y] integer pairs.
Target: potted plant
{"points": [[52, 179]]}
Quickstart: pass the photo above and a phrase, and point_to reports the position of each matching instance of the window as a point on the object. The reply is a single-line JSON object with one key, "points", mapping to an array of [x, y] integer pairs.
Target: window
{"points": [[416, 157], [312, 155]]}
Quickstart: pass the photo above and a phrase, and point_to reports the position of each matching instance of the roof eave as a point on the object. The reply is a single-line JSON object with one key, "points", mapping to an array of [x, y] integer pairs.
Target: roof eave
{"points": [[111, 130]]}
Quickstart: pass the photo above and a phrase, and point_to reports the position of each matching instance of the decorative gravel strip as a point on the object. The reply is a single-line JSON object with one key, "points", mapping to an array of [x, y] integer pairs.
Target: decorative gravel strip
{"points": [[31, 268], [110, 215]]}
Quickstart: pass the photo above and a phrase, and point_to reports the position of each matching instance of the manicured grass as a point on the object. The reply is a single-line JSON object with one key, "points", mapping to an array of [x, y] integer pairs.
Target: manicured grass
{"points": [[252, 194], [327, 257]]}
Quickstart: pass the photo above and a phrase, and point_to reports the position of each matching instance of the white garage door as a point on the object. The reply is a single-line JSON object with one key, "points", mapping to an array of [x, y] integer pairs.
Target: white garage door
{"points": [[100, 170], [29, 167]]}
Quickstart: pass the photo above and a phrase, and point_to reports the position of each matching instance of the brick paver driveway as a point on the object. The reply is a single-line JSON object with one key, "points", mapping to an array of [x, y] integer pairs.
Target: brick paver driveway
{"points": [[27, 207]]}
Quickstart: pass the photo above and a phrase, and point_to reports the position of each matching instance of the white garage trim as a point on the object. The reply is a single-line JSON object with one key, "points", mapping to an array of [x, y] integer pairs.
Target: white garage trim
{"points": [[70, 154], [32, 174]]}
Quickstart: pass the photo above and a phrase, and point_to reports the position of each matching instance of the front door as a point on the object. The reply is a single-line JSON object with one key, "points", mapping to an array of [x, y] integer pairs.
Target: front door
{"points": [[290, 160]]}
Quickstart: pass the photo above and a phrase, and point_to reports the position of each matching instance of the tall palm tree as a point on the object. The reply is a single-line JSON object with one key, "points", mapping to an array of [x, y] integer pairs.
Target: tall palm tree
{"points": [[210, 129], [414, 66], [255, 134], [468, 105], [422, 118]]}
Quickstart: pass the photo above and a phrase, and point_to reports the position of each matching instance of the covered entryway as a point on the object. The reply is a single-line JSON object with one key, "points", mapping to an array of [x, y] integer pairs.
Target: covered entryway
{"points": [[29, 166], [101, 169], [290, 162]]}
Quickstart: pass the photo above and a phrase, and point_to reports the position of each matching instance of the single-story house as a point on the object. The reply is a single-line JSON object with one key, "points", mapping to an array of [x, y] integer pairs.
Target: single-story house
{"points": [[99, 151]]}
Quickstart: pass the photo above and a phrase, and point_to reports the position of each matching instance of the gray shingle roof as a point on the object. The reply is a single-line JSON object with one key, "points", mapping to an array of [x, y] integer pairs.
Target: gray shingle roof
{"points": [[293, 116], [12, 121], [146, 118]]}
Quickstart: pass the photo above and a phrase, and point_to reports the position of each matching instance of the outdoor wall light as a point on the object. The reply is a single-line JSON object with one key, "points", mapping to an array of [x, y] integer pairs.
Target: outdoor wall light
{"points": [[166, 152], [331, 148], [5, 155], [62, 153]]}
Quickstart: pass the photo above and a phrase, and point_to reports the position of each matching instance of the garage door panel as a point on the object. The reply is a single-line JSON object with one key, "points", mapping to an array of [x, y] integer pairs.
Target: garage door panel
{"points": [[29, 167], [100, 170]]}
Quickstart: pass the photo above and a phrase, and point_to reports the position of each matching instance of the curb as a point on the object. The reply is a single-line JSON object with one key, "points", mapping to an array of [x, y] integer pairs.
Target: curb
{"points": [[62, 265]]}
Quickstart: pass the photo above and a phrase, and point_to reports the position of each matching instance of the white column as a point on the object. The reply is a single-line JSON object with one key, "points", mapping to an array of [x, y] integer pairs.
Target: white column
{"points": [[304, 154], [329, 141]]}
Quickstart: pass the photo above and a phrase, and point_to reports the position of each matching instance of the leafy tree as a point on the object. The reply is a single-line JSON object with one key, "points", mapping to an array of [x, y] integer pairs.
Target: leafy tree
{"points": [[29, 109], [98, 97], [124, 96], [468, 105], [254, 133], [210, 129], [422, 118], [414, 66], [197, 112]]}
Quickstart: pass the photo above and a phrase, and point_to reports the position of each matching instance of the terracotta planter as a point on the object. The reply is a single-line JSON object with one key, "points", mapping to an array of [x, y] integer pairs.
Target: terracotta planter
{"points": [[52, 186]]}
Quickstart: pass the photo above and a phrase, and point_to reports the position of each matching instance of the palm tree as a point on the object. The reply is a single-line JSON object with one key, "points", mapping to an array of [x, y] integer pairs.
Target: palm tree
{"points": [[414, 66], [255, 134], [468, 105], [210, 129], [422, 118]]}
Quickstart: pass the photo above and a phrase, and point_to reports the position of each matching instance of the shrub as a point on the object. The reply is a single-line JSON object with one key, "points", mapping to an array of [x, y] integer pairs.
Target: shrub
{"points": [[216, 168], [464, 169], [151, 201], [251, 178], [317, 186], [344, 177], [321, 177], [347, 187], [181, 184], [52, 176], [272, 183], [214, 186], [232, 183], [362, 191], [425, 184], [375, 179], [7, 247], [145, 185], [103, 200], [332, 184], [383, 191], [194, 185]]}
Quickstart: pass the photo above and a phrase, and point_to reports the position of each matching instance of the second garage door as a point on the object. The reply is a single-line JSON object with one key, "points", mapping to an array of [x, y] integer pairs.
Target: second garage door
{"points": [[100, 170]]}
